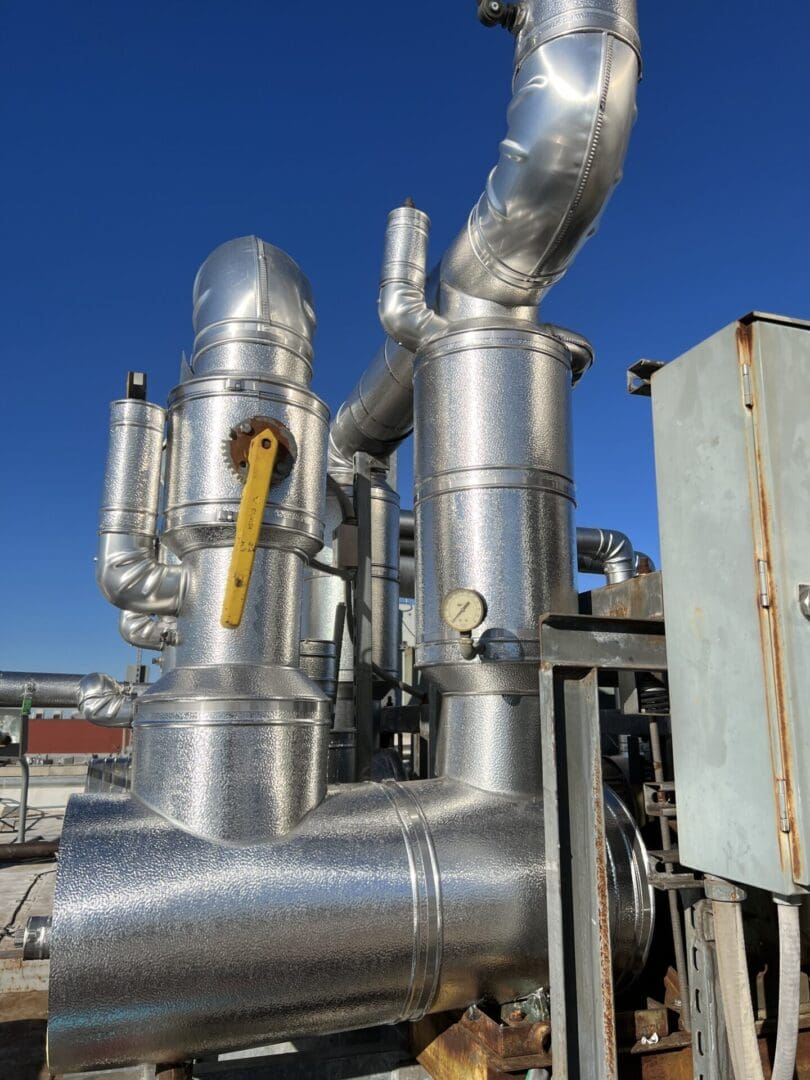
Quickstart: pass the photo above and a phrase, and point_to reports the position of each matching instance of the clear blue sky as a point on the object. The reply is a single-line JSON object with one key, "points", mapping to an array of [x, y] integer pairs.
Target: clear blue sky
{"points": [[137, 137]]}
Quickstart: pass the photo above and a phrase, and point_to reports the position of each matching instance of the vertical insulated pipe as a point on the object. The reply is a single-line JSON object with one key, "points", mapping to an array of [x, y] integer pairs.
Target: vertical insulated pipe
{"points": [[128, 571], [232, 743]]}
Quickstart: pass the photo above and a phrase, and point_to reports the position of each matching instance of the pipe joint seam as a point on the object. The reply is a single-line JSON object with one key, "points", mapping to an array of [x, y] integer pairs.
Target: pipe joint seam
{"points": [[427, 906]]}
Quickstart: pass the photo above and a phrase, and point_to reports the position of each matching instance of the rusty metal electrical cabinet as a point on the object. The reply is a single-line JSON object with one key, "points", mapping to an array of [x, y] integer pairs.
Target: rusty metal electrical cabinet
{"points": [[732, 447]]}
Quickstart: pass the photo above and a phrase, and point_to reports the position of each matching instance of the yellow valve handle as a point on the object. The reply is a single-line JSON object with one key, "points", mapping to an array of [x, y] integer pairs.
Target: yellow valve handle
{"points": [[261, 462]]}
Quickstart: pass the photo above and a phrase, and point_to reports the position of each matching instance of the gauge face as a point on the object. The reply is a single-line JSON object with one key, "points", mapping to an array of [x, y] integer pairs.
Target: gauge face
{"points": [[463, 610]]}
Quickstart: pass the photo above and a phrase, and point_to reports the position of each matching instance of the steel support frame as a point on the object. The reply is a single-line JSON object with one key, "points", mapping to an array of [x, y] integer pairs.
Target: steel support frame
{"points": [[574, 649], [710, 1056]]}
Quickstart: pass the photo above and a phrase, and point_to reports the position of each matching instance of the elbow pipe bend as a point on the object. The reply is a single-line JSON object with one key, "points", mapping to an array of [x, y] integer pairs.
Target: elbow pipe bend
{"points": [[106, 702], [579, 348], [147, 632], [606, 551], [546, 194], [404, 311], [130, 575]]}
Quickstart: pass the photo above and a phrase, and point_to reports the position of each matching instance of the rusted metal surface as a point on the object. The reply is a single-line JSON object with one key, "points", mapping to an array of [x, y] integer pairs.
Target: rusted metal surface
{"points": [[31, 849], [603, 911], [518, 1037], [671, 1060], [476, 1047], [768, 626], [639, 597], [770, 623]]}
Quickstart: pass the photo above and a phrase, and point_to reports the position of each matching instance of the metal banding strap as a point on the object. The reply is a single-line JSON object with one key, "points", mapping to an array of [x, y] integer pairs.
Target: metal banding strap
{"points": [[493, 476], [427, 904]]}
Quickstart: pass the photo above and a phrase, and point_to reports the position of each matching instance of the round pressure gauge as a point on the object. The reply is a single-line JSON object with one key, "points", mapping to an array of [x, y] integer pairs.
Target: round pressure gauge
{"points": [[463, 610]]}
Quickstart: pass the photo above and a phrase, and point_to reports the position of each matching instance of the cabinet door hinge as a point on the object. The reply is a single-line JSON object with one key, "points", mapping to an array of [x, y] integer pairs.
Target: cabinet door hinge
{"points": [[784, 820]]}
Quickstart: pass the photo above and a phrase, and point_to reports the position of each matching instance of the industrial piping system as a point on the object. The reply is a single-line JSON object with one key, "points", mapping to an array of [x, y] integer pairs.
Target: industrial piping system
{"points": [[229, 830]]}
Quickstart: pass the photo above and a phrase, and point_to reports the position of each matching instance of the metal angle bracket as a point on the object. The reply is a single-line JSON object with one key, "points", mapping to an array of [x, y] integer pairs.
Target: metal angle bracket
{"points": [[639, 376]]}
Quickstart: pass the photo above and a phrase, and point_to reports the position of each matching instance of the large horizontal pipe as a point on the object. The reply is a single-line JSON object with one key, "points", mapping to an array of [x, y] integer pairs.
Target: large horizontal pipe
{"points": [[48, 690], [384, 903]]}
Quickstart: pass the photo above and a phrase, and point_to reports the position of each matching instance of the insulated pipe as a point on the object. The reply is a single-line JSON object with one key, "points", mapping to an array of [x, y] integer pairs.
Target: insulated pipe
{"points": [[403, 309], [49, 690], [386, 902], [147, 631], [572, 110], [104, 701], [232, 743], [128, 571], [605, 551], [324, 592], [407, 577]]}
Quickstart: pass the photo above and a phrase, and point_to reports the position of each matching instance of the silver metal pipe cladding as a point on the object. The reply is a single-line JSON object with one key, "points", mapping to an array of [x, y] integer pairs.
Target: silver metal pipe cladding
{"points": [[231, 898], [386, 902], [494, 499], [606, 551], [128, 571], [232, 741], [324, 592], [104, 701], [573, 105], [47, 688]]}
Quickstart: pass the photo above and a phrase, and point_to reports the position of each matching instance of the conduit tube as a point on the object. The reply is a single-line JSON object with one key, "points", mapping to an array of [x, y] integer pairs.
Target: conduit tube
{"points": [[790, 973], [735, 989]]}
